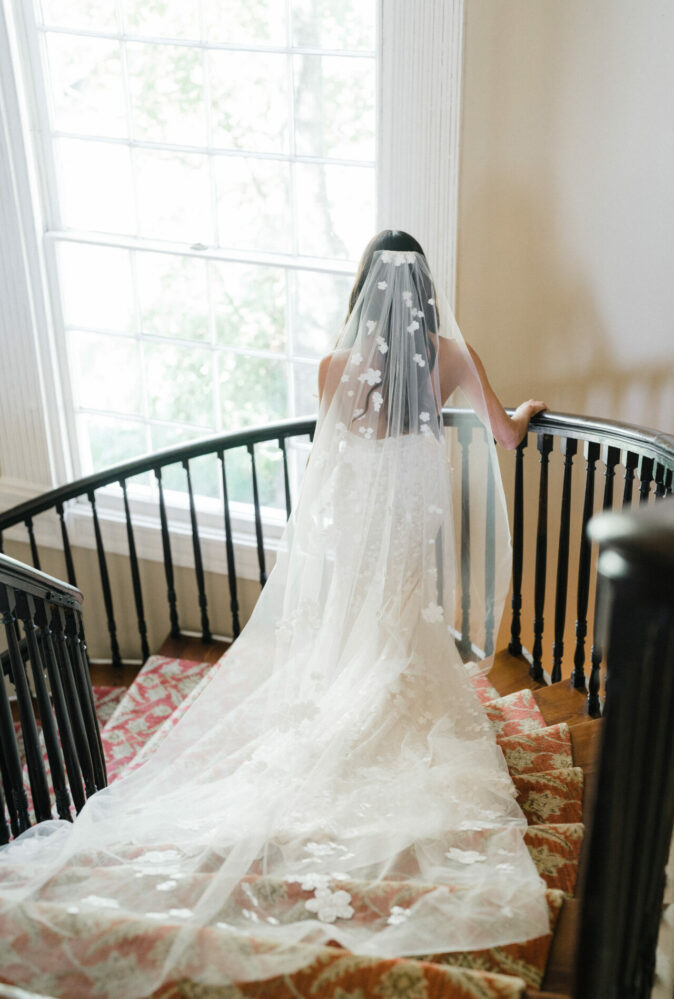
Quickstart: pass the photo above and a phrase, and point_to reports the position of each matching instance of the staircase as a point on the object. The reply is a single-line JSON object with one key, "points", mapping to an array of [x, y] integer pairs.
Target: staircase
{"points": [[550, 747], [614, 799]]}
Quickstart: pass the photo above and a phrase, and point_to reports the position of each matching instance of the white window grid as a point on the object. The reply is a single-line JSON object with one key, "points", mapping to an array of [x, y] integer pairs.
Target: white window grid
{"points": [[55, 232]]}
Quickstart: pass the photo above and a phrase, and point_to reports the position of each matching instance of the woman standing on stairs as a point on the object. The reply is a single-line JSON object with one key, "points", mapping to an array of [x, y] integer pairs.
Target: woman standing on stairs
{"points": [[336, 781]]}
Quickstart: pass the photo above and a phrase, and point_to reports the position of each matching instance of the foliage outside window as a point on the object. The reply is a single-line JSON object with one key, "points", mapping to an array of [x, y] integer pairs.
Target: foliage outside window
{"points": [[213, 168]]}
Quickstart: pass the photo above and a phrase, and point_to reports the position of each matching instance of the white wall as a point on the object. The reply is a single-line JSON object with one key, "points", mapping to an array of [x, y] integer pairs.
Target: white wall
{"points": [[566, 204]]}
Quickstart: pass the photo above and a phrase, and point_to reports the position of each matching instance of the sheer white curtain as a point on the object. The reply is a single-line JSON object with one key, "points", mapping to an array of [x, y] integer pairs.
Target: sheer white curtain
{"points": [[420, 48]]}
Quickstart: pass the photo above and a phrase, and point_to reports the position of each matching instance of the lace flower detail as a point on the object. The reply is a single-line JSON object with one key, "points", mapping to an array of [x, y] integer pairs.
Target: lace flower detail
{"points": [[432, 613], [382, 284], [431, 301], [372, 376], [311, 880], [398, 915], [367, 432], [322, 849], [377, 399], [418, 359], [370, 326], [356, 357], [330, 905], [407, 299], [101, 901], [398, 257], [413, 326], [345, 377], [424, 417], [464, 856], [382, 344]]}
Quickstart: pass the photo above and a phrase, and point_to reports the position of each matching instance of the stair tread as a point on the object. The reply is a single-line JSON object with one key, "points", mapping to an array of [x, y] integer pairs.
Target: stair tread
{"points": [[562, 702]]}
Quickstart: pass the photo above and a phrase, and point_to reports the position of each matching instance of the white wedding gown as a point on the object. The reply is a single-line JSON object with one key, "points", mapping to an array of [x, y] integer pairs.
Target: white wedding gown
{"points": [[336, 778]]}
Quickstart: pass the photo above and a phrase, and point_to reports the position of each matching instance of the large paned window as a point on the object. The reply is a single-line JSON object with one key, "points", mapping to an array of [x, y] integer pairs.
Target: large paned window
{"points": [[209, 185]]}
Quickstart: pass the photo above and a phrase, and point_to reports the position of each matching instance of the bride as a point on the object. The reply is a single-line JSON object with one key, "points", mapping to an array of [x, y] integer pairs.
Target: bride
{"points": [[334, 778]]}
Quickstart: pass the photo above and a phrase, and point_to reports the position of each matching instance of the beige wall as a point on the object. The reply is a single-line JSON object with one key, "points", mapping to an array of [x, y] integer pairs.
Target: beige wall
{"points": [[566, 225], [566, 210]]}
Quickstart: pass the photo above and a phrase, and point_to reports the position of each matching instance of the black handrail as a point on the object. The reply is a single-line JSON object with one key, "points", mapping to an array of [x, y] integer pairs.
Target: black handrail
{"points": [[40, 584], [157, 459], [645, 454], [54, 701], [644, 440], [627, 845]]}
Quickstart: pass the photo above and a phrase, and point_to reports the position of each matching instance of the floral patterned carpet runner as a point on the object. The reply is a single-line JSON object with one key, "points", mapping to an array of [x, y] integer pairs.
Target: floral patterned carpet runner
{"points": [[549, 791]]}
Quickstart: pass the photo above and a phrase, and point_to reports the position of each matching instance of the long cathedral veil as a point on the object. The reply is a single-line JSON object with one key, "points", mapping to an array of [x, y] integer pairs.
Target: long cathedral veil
{"points": [[334, 778]]}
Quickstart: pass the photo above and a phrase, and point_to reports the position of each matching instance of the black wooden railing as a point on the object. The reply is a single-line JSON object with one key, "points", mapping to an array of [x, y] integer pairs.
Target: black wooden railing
{"points": [[644, 454], [42, 624], [627, 845]]}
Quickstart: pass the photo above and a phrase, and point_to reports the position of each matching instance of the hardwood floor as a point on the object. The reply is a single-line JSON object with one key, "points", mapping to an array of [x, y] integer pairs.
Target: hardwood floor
{"points": [[192, 647]]}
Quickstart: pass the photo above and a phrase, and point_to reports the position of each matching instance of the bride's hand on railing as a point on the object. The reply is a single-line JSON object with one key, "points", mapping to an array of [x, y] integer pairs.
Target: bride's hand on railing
{"points": [[521, 418]]}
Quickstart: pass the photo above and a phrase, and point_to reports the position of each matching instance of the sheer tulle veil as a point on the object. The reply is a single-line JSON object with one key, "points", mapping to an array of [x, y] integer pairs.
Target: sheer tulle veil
{"points": [[334, 777]]}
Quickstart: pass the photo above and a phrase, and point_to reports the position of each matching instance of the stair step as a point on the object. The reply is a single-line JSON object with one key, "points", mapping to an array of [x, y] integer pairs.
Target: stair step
{"points": [[556, 796], [527, 959], [560, 702], [160, 687], [540, 750], [510, 673], [555, 850], [514, 714]]}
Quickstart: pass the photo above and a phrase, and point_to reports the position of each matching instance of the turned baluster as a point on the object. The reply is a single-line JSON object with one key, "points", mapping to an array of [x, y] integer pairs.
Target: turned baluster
{"points": [[515, 644], [630, 462], [286, 477], [592, 451], [544, 447], [645, 478], [33, 544], [258, 517], [465, 434], [490, 557], [135, 576], [229, 548], [168, 560], [660, 488], [70, 566], [569, 447], [198, 564], [611, 456], [105, 583]]}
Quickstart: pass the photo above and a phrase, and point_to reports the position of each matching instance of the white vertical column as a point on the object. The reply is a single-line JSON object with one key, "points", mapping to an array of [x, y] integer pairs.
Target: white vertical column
{"points": [[420, 48], [29, 421]]}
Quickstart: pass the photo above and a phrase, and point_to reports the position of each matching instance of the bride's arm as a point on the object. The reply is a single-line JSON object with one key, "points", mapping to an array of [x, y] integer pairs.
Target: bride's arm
{"points": [[472, 378], [330, 371]]}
